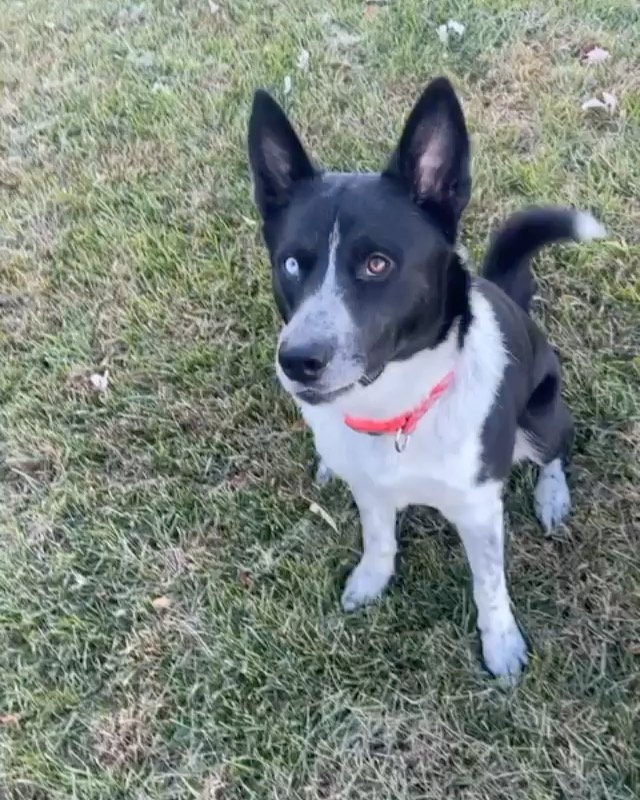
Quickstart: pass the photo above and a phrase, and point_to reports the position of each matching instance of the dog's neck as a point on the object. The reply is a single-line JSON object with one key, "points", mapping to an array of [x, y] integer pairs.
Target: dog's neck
{"points": [[403, 384]]}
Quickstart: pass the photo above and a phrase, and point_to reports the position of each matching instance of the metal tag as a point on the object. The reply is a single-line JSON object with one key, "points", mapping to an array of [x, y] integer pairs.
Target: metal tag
{"points": [[402, 440]]}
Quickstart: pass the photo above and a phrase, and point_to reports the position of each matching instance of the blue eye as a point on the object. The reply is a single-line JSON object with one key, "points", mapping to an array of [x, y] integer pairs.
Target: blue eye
{"points": [[291, 267]]}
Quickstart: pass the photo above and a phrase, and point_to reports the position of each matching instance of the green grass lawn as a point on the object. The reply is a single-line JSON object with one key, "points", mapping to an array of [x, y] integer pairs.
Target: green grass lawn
{"points": [[169, 617]]}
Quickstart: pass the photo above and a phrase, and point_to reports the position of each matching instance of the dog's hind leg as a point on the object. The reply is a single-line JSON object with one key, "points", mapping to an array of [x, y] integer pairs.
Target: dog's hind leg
{"points": [[552, 499], [548, 429]]}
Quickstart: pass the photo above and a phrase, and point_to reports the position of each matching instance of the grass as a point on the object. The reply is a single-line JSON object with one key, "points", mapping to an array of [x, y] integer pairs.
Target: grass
{"points": [[169, 619]]}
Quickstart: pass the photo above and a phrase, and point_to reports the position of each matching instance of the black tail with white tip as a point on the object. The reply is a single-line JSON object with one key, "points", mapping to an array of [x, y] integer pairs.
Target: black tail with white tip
{"points": [[512, 247]]}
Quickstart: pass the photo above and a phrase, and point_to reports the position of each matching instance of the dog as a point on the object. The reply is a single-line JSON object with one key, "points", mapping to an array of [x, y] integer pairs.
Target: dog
{"points": [[422, 384]]}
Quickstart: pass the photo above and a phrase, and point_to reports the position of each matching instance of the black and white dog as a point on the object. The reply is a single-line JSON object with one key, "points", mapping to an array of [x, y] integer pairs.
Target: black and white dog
{"points": [[421, 383]]}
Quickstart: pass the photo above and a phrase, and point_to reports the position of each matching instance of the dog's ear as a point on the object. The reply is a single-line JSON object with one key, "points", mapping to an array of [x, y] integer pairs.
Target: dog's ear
{"points": [[277, 158], [432, 157]]}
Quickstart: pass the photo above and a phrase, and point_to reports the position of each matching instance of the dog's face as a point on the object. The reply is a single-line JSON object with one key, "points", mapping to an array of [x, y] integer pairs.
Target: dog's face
{"points": [[364, 271]]}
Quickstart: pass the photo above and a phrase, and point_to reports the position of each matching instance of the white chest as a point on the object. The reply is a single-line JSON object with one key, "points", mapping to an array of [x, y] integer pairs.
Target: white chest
{"points": [[435, 469], [442, 461]]}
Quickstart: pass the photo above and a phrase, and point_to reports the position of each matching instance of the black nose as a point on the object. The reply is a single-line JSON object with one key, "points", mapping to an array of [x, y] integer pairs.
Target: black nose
{"points": [[305, 363]]}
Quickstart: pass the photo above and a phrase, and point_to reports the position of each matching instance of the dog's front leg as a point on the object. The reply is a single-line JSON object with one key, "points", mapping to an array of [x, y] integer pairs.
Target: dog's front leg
{"points": [[369, 579], [480, 522]]}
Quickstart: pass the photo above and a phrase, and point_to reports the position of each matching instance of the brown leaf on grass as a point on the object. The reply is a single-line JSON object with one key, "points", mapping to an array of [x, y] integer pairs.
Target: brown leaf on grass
{"points": [[161, 603], [9, 719]]}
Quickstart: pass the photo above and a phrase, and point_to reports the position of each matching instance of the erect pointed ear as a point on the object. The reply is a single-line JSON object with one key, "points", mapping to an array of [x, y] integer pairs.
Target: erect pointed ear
{"points": [[432, 157], [277, 157]]}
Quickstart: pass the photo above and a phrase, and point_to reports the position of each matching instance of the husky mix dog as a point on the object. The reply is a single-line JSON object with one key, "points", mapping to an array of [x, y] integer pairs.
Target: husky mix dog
{"points": [[422, 384]]}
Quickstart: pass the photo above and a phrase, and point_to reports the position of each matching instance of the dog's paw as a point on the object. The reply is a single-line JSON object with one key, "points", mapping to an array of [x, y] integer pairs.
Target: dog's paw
{"points": [[552, 501], [366, 583], [505, 653], [323, 474]]}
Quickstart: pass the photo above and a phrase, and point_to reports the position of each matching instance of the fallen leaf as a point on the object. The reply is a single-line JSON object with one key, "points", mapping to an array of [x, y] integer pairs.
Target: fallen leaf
{"points": [[592, 102], [161, 603], [99, 383], [596, 56], [608, 103], [287, 84], [302, 61], [9, 719], [314, 508], [452, 26]]}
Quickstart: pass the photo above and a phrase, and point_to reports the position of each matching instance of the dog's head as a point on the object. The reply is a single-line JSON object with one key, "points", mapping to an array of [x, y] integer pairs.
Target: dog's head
{"points": [[364, 270]]}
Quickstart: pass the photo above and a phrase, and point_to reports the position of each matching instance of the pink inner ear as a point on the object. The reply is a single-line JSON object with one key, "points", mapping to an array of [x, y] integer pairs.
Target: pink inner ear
{"points": [[430, 164], [277, 161]]}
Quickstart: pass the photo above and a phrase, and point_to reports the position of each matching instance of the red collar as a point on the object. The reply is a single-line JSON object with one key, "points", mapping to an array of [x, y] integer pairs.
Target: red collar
{"points": [[404, 424]]}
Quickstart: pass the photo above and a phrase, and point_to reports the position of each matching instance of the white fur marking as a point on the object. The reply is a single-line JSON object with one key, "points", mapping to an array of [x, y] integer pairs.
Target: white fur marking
{"points": [[552, 501], [324, 317], [586, 227]]}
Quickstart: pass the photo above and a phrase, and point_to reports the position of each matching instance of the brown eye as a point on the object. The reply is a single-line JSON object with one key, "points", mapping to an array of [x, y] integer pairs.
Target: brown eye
{"points": [[378, 265]]}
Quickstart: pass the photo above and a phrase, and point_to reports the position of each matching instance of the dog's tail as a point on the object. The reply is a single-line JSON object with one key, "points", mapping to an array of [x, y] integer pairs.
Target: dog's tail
{"points": [[513, 246]]}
